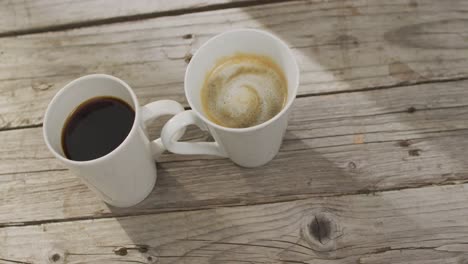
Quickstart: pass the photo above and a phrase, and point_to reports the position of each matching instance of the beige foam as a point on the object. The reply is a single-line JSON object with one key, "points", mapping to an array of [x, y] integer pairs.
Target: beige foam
{"points": [[244, 90]]}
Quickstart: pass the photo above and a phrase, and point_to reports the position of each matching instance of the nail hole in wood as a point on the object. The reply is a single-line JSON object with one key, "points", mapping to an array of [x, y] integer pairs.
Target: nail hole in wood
{"points": [[404, 143], [143, 248], [414, 152], [187, 36], [411, 110]]}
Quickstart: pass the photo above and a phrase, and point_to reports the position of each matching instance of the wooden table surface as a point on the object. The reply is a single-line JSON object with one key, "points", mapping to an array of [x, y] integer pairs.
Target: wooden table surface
{"points": [[373, 168]]}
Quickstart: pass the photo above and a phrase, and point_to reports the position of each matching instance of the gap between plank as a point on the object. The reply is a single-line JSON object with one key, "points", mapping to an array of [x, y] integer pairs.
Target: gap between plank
{"points": [[20, 127], [129, 18], [287, 198], [383, 87]]}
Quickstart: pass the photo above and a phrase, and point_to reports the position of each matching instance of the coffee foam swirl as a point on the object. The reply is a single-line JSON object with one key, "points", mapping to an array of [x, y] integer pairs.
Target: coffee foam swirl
{"points": [[244, 90]]}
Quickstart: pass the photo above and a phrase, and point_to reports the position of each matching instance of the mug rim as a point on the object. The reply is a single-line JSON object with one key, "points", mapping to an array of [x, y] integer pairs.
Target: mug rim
{"points": [[66, 87], [261, 125]]}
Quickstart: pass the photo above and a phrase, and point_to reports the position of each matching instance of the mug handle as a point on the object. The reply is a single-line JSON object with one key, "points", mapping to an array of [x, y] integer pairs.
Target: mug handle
{"points": [[170, 136], [154, 110]]}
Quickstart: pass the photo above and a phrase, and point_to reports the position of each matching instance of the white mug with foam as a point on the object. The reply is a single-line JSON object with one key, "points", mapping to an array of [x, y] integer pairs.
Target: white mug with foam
{"points": [[126, 175], [249, 147]]}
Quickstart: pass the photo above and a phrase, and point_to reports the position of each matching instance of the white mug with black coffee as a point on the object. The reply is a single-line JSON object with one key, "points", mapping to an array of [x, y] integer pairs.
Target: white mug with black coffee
{"points": [[240, 85], [96, 127]]}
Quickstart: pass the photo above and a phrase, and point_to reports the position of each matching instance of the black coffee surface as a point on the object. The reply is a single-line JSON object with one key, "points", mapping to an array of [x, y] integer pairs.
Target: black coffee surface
{"points": [[96, 127]]}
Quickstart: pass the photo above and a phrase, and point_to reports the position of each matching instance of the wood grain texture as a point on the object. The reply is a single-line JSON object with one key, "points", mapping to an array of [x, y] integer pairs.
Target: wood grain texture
{"points": [[424, 225], [20, 17], [340, 46], [359, 142]]}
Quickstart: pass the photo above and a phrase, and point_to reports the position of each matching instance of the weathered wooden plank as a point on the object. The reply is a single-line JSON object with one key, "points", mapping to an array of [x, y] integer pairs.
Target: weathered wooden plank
{"points": [[331, 120], [31, 16], [340, 45], [342, 143], [424, 225]]}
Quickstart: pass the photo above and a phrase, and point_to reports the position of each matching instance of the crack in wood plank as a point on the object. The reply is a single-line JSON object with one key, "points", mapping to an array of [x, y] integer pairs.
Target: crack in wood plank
{"points": [[384, 87], [15, 261], [137, 17]]}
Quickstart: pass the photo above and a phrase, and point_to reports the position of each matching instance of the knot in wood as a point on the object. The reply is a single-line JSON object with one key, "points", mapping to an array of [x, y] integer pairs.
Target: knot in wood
{"points": [[188, 57], [120, 251], [320, 231], [404, 143], [152, 259], [55, 257], [352, 165], [142, 248], [414, 152]]}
